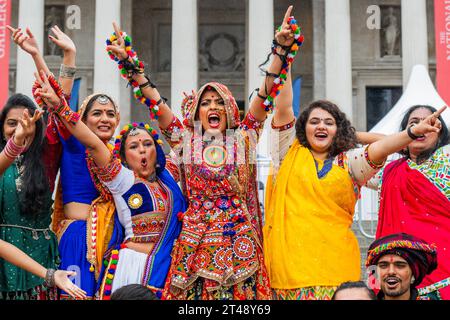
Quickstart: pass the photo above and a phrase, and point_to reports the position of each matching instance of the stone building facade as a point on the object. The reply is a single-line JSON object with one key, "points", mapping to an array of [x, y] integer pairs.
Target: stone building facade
{"points": [[358, 53]]}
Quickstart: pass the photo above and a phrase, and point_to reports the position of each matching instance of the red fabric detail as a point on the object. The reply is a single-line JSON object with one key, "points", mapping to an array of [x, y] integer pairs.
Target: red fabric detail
{"points": [[410, 203], [53, 127], [172, 167], [52, 157]]}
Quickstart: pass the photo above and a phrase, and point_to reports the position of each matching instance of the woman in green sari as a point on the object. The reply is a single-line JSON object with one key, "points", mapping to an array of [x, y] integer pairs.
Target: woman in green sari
{"points": [[25, 201]]}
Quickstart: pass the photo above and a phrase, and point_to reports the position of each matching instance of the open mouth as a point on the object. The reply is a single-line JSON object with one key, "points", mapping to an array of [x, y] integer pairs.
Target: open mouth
{"points": [[321, 135], [421, 139], [144, 162], [392, 282], [214, 120], [104, 128]]}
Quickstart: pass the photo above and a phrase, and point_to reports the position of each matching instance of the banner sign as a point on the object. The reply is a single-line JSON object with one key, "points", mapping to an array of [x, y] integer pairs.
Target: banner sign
{"points": [[5, 16], [442, 26]]}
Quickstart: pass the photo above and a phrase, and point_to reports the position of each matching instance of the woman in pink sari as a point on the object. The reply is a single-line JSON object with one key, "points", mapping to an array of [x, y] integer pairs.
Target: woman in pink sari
{"points": [[415, 195]]}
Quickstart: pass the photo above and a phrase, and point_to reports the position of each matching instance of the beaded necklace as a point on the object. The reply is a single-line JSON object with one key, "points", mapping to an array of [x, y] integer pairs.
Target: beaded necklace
{"points": [[214, 164]]}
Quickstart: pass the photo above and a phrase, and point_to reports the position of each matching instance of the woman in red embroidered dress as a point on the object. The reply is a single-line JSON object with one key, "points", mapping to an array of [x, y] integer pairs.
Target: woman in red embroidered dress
{"points": [[219, 252]]}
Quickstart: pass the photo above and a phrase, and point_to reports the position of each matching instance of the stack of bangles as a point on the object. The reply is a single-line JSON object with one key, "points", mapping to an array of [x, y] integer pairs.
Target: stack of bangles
{"points": [[130, 66], [67, 72], [12, 150], [50, 278], [287, 59]]}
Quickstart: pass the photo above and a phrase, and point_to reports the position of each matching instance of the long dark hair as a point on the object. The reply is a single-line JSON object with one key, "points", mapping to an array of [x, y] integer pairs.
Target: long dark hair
{"points": [[443, 134], [345, 138], [35, 185]]}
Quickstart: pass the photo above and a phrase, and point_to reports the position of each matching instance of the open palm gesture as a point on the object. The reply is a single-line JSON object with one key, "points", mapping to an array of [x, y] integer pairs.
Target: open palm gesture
{"points": [[63, 282], [26, 42], [62, 40]]}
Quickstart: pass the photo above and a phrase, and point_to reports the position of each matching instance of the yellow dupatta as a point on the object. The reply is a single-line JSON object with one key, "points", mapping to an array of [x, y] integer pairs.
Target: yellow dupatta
{"points": [[307, 236]]}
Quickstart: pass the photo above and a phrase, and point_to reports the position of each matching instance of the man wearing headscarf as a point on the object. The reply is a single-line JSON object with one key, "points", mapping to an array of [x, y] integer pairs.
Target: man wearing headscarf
{"points": [[402, 261]]}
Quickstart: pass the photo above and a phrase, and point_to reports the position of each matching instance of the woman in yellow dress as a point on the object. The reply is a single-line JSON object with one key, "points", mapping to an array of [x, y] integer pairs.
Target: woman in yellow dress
{"points": [[309, 247]]}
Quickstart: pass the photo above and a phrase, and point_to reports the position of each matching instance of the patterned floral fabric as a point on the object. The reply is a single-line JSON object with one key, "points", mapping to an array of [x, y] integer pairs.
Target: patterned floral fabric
{"points": [[309, 293], [219, 251], [436, 169]]}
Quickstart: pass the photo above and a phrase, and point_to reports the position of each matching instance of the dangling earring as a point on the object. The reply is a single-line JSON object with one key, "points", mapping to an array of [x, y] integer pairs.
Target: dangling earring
{"points": [[413, 279]]}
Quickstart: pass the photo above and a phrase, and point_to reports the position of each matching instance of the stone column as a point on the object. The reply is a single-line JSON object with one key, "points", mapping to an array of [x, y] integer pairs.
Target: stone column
{"points": [[106, 75], [126, 95], [260, 33], [414, 36], [184, 51], [319, 48], [31, 14], [339, 54]]}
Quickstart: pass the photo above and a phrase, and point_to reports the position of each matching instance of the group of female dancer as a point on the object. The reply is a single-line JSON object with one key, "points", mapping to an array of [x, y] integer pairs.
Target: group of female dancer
{"points": [[121, 217]]}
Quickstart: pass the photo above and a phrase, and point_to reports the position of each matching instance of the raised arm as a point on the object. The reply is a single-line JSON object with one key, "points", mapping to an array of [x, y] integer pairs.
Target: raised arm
{"points": [[380, 150], [284, 113], [148, 89], [22, 138], [285, 38], [59, 278], [28, 43], [68, 66], [47, 90]]}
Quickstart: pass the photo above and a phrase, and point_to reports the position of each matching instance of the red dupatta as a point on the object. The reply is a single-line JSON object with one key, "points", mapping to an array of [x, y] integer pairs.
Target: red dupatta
{"points": [[410, 203]]}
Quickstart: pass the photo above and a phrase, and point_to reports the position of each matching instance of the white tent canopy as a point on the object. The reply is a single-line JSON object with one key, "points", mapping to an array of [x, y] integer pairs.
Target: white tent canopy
{"points": [[420, 90]]}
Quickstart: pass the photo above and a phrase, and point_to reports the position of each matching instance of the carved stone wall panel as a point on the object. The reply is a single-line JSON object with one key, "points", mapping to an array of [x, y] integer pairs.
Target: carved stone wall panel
{"points": [[164, 47], [390, 42], [222, 48], [365, 41], [84, 38], [431, 31], [54, 15]]}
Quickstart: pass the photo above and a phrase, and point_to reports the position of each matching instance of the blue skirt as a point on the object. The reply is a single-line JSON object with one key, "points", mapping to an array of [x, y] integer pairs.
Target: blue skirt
{"points": [[73, 252]]}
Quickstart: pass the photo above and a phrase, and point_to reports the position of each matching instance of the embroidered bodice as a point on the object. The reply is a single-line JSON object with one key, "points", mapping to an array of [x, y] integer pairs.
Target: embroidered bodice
{"points": [[142, 207]]}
